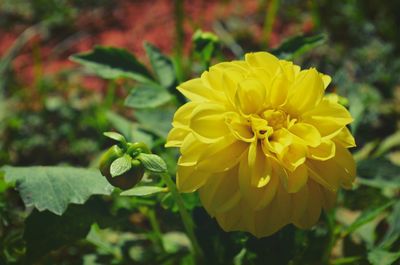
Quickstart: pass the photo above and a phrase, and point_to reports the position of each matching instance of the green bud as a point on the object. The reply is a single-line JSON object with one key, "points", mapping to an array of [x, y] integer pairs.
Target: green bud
{"points": [[126, 180]]}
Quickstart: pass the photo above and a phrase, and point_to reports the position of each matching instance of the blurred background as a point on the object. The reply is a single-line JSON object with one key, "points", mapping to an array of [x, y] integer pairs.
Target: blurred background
{"points": [[54, 112]]}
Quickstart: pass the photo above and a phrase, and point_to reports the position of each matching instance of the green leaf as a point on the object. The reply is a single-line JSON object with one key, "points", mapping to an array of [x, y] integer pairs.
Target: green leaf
{"points": [[112, 63], [157, 121], [153, 163], [367, 216], [379, 173], [143, 191], [387, 144], [129, 128], [147, 96], [120, 165], [115, 136], [298, 45], [45, 231], [54, 188], [205, 45], [162, 66], [393, 234], [383, 257]]}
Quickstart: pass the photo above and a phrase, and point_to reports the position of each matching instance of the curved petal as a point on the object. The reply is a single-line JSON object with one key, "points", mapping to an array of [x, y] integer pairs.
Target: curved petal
{"points": [[263, 60], [326, 150], [196, 90], [188, 179], [176, 137], [313, 209], [297, 179], [305, 93], [250, 96], [328, 117], [345, 138], [306, 134]]}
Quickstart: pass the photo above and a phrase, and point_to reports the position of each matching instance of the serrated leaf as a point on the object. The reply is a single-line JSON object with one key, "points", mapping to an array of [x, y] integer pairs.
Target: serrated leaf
{"points": [[298, 45], [111, 63], [162, 66], [143, 191], [54, 188], [153, 163], [45, 231], [115, 136], [120, 165], [367, 216], [147, 96]]}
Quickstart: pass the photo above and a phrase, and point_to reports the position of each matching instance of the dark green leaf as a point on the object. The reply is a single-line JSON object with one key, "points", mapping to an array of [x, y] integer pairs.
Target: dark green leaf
{"points": [[120, 165], [45, 231], [54, 188], [393, 234], [367, 216], [147, 96], [379, 173], [143, 191], [111, 63], [162, 66], [298, 45], [153, 163]]}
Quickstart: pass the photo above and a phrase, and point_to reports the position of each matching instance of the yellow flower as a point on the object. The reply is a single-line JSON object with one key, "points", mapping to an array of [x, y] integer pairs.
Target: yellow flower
{"points": [[261, 144]]}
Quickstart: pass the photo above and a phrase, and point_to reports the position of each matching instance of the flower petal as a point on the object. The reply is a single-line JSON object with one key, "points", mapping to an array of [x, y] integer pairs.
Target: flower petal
{"points": [[188, 179], [328, 117], [306, 134], [305, 93], [326, 150]]}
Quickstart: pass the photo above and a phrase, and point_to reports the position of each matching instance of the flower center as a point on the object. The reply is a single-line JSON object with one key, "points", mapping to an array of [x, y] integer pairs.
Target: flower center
{"points": [[275, 118]]}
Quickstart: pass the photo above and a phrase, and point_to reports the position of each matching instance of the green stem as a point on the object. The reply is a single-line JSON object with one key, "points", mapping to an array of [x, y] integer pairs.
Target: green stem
{"points": [[151, 214], [185, 216], [269, 21]]}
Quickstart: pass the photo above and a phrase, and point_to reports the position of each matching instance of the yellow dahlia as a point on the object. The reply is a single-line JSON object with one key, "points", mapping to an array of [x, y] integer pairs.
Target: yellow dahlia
{"points": [[262, 144]]}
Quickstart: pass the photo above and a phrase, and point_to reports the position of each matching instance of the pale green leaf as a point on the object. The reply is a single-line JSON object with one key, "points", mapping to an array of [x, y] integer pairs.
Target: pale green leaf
{"points": [[143, 191], [54, 188], [120, 165], [147, 96], [115, 136], [153, 163]]}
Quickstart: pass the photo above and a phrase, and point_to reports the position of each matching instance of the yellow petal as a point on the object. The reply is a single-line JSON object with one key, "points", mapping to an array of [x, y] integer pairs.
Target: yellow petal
{"points": [[326, 150], [326, 79], [256, 197], [305, 93], [191, 150], [183, 114], [197, 90], [276, 215], [238, 127], [306, 134], [250, 96], [188, 179], [299, 203], [293, 156], [328, 117], [297, 179], [176, 136], [263, 60], [278, 92], [345, 138], [221, 192], [208, 123], [222, 155], [313, 210]]}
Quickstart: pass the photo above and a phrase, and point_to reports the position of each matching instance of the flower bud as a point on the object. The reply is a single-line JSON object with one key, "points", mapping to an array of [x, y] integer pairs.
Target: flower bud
{"points": [[127, 179]]}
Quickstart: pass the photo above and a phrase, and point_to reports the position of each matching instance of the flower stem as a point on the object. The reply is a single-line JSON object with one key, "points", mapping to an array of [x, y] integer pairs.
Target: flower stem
{"points": [[186, 218]]}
